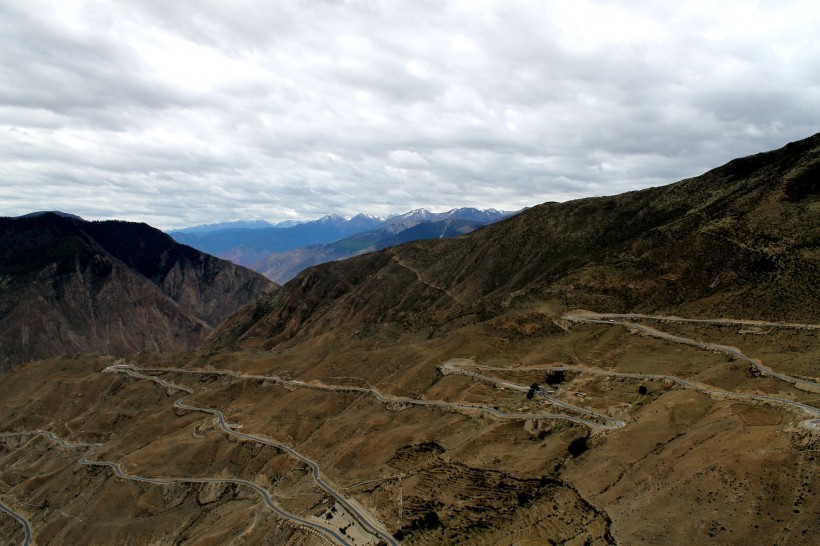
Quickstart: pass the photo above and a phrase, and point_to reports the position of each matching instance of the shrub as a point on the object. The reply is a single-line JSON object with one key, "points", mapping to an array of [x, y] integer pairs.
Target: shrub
{"points": [[578, 446]]}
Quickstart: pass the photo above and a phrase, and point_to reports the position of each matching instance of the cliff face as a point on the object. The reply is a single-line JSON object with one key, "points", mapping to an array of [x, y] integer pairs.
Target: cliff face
{"points": [[109, 287], [741, 240]]}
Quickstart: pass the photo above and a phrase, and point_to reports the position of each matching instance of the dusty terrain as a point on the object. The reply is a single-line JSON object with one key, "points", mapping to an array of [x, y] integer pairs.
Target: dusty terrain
{"points": [[686, 465]]}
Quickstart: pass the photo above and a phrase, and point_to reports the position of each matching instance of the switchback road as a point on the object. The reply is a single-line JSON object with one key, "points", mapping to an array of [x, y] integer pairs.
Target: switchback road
{"points": [[448, 367], [367, 520], [315, 525], [803, 384]]}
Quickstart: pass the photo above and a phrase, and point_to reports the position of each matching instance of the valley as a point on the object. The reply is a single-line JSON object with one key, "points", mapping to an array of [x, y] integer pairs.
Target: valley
{"points": [[470, 400], [638, 369]]}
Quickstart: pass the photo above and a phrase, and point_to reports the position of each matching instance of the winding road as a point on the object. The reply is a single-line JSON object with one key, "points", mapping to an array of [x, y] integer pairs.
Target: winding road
{"points": [[358, 512], [368, 522], [447, 367], [611, 319], [22, 520], [326, 530], [266, 497], [57, 440]]}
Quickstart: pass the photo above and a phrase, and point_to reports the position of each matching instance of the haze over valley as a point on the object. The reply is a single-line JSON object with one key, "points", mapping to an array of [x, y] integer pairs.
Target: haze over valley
{"points": [[280, 252]]}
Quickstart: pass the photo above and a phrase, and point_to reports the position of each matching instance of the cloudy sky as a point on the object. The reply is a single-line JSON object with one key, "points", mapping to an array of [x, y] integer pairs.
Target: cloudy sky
{"points": [[185, 112]]}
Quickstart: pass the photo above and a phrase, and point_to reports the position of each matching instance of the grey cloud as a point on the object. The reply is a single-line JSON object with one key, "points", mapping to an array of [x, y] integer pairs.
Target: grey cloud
{"points": [[189, 112], [50, 68]]}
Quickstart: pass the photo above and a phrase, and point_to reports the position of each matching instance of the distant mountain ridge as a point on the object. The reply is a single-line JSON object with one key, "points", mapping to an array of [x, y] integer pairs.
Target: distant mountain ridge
{"points": [[282, 267], [112, 287], [742, 240], [248, 246], [237, 224]]}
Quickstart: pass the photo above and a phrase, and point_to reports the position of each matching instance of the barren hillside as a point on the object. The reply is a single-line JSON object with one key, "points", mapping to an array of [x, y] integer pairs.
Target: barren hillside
{"points": [[69, 286]]}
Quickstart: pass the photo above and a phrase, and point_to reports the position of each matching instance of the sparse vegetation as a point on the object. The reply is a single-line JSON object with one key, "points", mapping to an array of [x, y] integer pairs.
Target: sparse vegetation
{"points": [[642, 390], [554, 377], [578, 446]]}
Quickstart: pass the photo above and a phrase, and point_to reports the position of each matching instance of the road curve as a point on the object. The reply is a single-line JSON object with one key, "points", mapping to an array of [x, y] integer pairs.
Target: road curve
{"points": [[613, 318], [21, 520], [118, 471], [813, 424], [367, 521]]}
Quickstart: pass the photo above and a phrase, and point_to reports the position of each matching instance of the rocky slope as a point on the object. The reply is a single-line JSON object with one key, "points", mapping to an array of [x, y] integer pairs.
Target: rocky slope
{"points": [[69, 286], [742, 239]]}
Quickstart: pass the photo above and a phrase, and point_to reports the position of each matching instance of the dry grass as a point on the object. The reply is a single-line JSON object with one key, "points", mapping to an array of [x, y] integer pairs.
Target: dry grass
{"points": [[687, 466]]}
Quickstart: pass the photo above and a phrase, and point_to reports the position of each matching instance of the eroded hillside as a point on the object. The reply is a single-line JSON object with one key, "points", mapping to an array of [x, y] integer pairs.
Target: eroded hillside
{"points": [[630, 439], [70, 286]]}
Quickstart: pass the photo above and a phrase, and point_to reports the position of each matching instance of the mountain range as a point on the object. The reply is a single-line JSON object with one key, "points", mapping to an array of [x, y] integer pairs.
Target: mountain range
{"points": [[237, 224], [255, 245], [631, 369], [283, 266]]}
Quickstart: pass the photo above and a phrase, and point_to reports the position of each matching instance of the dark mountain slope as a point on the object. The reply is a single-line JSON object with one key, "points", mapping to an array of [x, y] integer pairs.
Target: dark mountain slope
{"points": [[198, 282], [67, 285], [742, 240]]}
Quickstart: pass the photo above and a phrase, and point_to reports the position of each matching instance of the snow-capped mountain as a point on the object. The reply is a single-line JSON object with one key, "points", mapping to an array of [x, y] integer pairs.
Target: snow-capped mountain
{"points": [[248, 242]]}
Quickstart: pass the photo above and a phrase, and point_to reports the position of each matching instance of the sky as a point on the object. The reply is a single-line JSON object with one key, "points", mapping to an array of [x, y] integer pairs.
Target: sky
{"points": [[189, 112]]}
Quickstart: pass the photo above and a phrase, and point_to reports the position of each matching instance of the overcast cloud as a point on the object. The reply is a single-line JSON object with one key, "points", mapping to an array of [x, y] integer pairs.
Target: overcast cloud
{"points": [[186, 112]]}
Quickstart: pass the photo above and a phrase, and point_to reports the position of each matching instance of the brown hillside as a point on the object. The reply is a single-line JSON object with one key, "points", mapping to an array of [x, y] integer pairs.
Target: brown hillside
{"points": [[741, 239]]}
